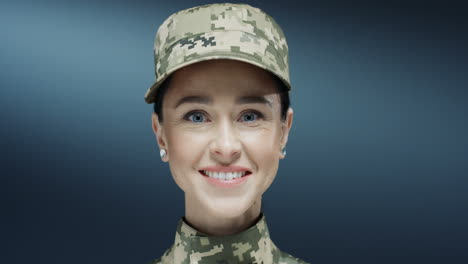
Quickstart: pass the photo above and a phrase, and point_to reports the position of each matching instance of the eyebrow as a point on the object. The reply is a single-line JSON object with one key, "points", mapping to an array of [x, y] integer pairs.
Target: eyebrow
{"points": [[194, 99], [251, 99]]}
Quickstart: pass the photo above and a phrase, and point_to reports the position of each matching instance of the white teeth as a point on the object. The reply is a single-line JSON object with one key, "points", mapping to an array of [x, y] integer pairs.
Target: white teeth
{"points": [[224, 175]]}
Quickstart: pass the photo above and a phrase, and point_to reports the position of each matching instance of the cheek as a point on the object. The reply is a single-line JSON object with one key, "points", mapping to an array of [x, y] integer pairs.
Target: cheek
{"points": [[181, 151], [185, 149], [262, 140], [263, 147]]}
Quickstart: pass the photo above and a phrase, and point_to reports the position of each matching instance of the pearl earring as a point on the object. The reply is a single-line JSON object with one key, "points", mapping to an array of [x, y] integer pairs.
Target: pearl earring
{"points": [[283, 151], [162, 153]]}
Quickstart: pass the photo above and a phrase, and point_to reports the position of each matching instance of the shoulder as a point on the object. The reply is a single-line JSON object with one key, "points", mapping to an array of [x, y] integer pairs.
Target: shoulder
{"points": [[155, 261], [164, 259], [286, 258], [281, 257]]}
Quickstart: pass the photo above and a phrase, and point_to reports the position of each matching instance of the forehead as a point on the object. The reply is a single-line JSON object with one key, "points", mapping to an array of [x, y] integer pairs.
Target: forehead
{"points": [[226, 78]]}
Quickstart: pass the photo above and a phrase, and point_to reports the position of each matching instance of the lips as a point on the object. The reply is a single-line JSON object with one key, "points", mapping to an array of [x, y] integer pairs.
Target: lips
{"points": [[226, 169], [226, 180], [204, 174]]}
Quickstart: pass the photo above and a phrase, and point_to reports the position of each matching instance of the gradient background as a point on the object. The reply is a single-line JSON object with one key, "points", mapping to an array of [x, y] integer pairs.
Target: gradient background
{"points": [[376, 170]]}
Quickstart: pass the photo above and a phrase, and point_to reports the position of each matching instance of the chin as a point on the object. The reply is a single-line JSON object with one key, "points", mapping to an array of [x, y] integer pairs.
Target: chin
{"points": [[229, 207]]}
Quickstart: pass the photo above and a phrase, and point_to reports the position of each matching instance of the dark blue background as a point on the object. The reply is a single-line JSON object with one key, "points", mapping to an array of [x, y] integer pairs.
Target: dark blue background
{"points": [[376, 170]]}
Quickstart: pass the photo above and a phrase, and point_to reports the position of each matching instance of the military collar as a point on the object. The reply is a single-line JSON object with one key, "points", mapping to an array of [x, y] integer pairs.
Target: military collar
{"points": [[252, 245]]}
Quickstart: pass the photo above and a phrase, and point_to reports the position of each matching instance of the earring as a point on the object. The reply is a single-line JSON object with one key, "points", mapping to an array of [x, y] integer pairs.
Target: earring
{"points": [[162, 153], [283, 151]]}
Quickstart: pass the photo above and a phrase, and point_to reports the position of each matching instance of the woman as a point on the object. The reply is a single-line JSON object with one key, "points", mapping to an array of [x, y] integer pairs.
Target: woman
{"points": [[221, 121]]}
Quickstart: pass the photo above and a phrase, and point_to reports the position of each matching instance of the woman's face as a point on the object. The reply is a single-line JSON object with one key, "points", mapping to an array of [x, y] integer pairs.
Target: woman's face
{"points": [[222, 114]]}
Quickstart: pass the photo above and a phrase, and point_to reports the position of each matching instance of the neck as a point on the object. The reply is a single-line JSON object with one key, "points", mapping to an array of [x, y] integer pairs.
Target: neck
{"points": [[220, 225]]}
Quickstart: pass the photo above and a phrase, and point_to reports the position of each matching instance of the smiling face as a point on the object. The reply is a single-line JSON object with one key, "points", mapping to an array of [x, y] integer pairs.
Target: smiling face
{"points": [[222, 115]]}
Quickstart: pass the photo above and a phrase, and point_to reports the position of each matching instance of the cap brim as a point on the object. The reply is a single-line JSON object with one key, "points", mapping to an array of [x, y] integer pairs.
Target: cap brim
{"points": [[150, 98]]}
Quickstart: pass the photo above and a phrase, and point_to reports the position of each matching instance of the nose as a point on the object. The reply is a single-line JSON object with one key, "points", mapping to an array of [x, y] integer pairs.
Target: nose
{"points": [[226, 145]]}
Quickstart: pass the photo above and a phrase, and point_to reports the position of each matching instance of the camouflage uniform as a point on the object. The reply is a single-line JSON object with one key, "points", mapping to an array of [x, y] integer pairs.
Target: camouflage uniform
{"points": [[253, 245]]}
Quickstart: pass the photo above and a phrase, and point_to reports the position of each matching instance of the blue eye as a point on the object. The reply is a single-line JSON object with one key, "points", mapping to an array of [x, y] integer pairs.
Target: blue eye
{"points": [[200, 117], [250, 117], [196, 117]]}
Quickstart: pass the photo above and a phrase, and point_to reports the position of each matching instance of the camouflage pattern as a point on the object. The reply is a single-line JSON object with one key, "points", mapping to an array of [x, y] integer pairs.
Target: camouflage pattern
{"points": [[219, 31], [250, 246]]}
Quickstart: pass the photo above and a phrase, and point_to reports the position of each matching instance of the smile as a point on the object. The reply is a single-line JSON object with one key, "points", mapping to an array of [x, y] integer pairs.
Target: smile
{"points": [[224, 175], [226, 179]]}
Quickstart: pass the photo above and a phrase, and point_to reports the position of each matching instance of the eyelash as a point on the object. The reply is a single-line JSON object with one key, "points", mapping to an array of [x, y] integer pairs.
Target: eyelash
{"points": [[186, 117]]}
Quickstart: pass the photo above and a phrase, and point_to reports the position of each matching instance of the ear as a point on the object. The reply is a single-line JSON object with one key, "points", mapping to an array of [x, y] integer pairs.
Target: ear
{"points": [[285, 128], [160, 135]]}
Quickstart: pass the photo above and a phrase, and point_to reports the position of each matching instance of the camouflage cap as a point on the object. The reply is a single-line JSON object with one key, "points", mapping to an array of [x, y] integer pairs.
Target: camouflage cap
{"points": [[219, 31]]}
